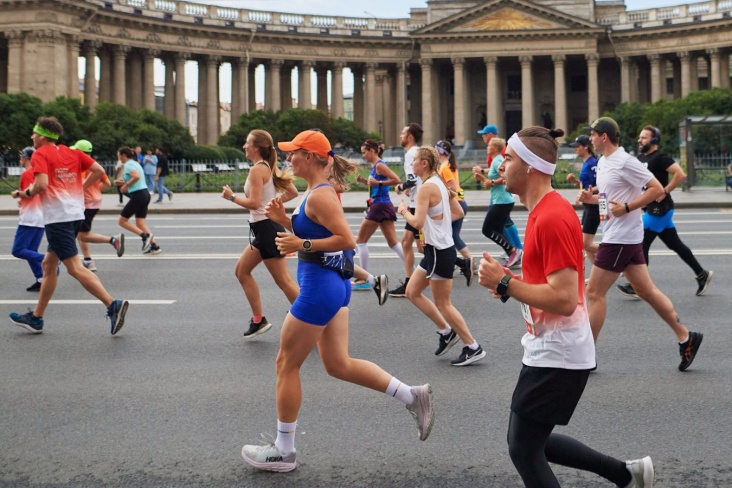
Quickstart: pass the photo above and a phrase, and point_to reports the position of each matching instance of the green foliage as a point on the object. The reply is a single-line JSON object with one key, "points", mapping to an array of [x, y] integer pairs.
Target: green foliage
{"points": [[73, 116], [18, 116], [232, 154], [205, 153], [286, 125]]}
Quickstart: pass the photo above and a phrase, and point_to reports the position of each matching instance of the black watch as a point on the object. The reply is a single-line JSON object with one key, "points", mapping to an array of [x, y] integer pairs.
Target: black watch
{"points": [[307, 245], [502, 288]]}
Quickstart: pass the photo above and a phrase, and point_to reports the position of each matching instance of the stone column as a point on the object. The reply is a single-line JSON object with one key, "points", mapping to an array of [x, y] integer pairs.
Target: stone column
{"points": [[655, 61], [624, 79], [685, 62], [428, 107], [148, 77], [493, 99], [286, 87], [459, 99], [212, 100], [389, 112], [105, 75], [593, 98], [305, 98], [693, 72], [72, 48], [134, 80], [169, 88], [401, 97], [90, 80], [119, 75], [180, 88], [724, 69], [240, 88], [358, 102], [560, 93], [382, 103], [276, 92], [252, 87], [16, 41], [337, 90], [714, 64], [527, 92], [371, 98], [201, 110], [321, 73]]}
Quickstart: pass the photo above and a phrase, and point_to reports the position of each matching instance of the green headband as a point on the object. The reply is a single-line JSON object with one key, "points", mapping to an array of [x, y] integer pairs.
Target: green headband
{"points": [[45, 133]]}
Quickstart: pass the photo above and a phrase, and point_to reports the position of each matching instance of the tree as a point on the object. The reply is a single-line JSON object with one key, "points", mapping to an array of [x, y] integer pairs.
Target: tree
{"points": [[19, 115], [73, 116]]}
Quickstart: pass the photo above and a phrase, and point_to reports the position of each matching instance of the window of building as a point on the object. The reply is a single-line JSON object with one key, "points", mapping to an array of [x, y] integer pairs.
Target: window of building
{"points": [[669, 86]]}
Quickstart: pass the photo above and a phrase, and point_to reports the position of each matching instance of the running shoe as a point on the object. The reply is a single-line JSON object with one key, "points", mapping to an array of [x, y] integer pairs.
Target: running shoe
{"points": [[381, 288], [146, 241], [467, 269], [514, 258], [627, 291], [446, 342], [642, 472], [399, 291], [689, 349], [90, 265], [116, 313], [118, 242], [257, 328], [423, 410], [28, 321], [267, 457], [703, 282], [34, 287], [154, 249], [170, 196], [360, 285], [468, 356]]}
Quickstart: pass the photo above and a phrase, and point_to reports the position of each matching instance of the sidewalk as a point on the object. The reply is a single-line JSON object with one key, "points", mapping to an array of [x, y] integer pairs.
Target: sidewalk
{"points": [[699, 197]]}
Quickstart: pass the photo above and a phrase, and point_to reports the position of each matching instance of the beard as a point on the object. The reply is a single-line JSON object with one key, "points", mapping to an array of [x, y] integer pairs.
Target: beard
{"points": [[644, 148]]}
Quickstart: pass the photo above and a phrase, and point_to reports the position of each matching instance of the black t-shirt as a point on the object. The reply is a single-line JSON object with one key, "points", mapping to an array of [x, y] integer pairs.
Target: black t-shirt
{"points": [[163, 164], [658, 164]]}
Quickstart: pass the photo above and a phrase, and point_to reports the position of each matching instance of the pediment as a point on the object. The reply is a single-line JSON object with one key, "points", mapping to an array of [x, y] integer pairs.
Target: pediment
{"points": [[506, 15]]}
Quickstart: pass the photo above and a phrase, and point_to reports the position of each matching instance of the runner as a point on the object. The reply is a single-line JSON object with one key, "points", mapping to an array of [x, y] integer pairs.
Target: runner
{"points": [[558, 347], [587, 181], [433, 215], [133, 184], [264, 181], [319, 316]]}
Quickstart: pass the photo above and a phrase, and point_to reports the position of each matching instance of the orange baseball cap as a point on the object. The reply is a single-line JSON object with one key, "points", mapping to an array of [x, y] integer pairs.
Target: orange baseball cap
{"points": [[309, 140]]}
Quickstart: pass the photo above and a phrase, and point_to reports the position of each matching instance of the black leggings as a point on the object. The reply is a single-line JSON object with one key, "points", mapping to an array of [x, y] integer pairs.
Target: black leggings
{"points": [[495, 221], [671, 238], [532, 446]]}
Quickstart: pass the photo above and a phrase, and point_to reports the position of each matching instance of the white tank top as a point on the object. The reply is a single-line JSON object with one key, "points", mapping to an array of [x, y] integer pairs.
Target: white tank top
{"points": [[438, 233], [268, 193]]}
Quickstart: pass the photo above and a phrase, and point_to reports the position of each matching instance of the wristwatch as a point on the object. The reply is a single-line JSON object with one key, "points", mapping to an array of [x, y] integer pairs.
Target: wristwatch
{"points": [[232, 197], [307, 245], [502, 288], [27, 192]]}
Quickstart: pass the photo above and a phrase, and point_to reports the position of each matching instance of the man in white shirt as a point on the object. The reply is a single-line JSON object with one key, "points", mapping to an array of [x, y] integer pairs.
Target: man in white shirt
{"points": [[620, 180]]}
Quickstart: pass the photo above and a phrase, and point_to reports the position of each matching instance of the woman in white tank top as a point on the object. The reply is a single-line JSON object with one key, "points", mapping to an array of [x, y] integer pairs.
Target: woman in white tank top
{"points": [[435, 209], [263, 183]]}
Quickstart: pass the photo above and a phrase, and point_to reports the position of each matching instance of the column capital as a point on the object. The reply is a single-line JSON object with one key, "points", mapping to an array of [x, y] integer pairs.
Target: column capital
{"points": [[559, 58], [277, 63], [381, 78], [653, 58], [182, 56], [151, 53], [91, 47], [592, 58], [458, 61], [713, 51], [525, 60], [371, 66], [339, 65], [119, 51], [307, 64], [624, 60], [683, 55], [216, 60], [490, 60], [425, 62]]}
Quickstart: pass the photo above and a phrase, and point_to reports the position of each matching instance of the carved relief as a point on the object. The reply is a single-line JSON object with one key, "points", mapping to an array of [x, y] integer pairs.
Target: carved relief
{"points": [[339, 52], [309, 51], [277, 49], [371, 53], [403, 53], [46, 37], [508, 19], [153, 38], [123, 34], [184, 41], [46, 17], [682, 41], [213, 44], [93, 29]]}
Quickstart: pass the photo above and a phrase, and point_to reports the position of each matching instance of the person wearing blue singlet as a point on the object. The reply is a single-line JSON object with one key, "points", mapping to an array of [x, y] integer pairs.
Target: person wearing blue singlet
{"points": [[381, 213], [587, 181], [319, 316]]}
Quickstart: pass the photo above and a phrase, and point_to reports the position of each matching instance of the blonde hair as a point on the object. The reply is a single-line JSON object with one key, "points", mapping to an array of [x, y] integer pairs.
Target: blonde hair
{"points": [[339, 170], [498, 143], [432, 157], [262, 140]]}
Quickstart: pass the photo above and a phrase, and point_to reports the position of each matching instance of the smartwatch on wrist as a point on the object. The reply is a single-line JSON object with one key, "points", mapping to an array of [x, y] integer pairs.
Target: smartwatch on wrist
{"points": [[27, 192], [627, 208], [307, 245], [232, 197], [502, 288]]}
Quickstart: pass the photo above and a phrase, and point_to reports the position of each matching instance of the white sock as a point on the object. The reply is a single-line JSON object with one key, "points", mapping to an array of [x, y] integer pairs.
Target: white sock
{"points": [[400, 391], [398, 249], [446, 330], [684, 341], [474, 345], [371, 280], [285, 442], [363, 255]]}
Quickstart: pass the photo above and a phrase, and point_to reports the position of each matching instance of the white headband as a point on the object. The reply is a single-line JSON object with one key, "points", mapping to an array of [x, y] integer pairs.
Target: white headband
{"points": [[529, 157]]}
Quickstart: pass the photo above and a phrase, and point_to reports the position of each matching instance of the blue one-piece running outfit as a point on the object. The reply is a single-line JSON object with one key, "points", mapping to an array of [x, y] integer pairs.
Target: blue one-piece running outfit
{"points": [[323, 291]]}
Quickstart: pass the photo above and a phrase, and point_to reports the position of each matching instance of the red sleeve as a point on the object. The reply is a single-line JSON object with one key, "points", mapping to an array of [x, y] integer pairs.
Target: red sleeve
{"points": [[85, 160], [26, 179], [39, 163]]}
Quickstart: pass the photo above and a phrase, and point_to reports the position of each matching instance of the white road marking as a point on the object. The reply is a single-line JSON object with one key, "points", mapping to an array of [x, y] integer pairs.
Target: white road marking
{"points": [[86, 302]]}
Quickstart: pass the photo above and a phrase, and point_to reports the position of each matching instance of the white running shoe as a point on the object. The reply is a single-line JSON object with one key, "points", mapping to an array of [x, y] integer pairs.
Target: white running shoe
{"points": [[514, 258], [267, 457], [642, 472], [423, 410]]}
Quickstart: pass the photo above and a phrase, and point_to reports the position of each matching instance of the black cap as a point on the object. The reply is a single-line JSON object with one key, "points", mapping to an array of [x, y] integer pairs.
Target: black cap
{"points": [[605, 125], [582, 140]]}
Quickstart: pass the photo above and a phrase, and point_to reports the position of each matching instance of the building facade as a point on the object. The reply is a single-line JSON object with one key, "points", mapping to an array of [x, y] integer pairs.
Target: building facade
{"points": [[452, 66]]}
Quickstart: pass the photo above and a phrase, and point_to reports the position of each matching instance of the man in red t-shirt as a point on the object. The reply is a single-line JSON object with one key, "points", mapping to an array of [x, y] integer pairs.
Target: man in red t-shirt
{"points": [[58, 180], [559, 350]]}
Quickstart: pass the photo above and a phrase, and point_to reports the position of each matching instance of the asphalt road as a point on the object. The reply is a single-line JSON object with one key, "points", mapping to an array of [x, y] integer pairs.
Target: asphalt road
{"points": [[170, 401]]}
